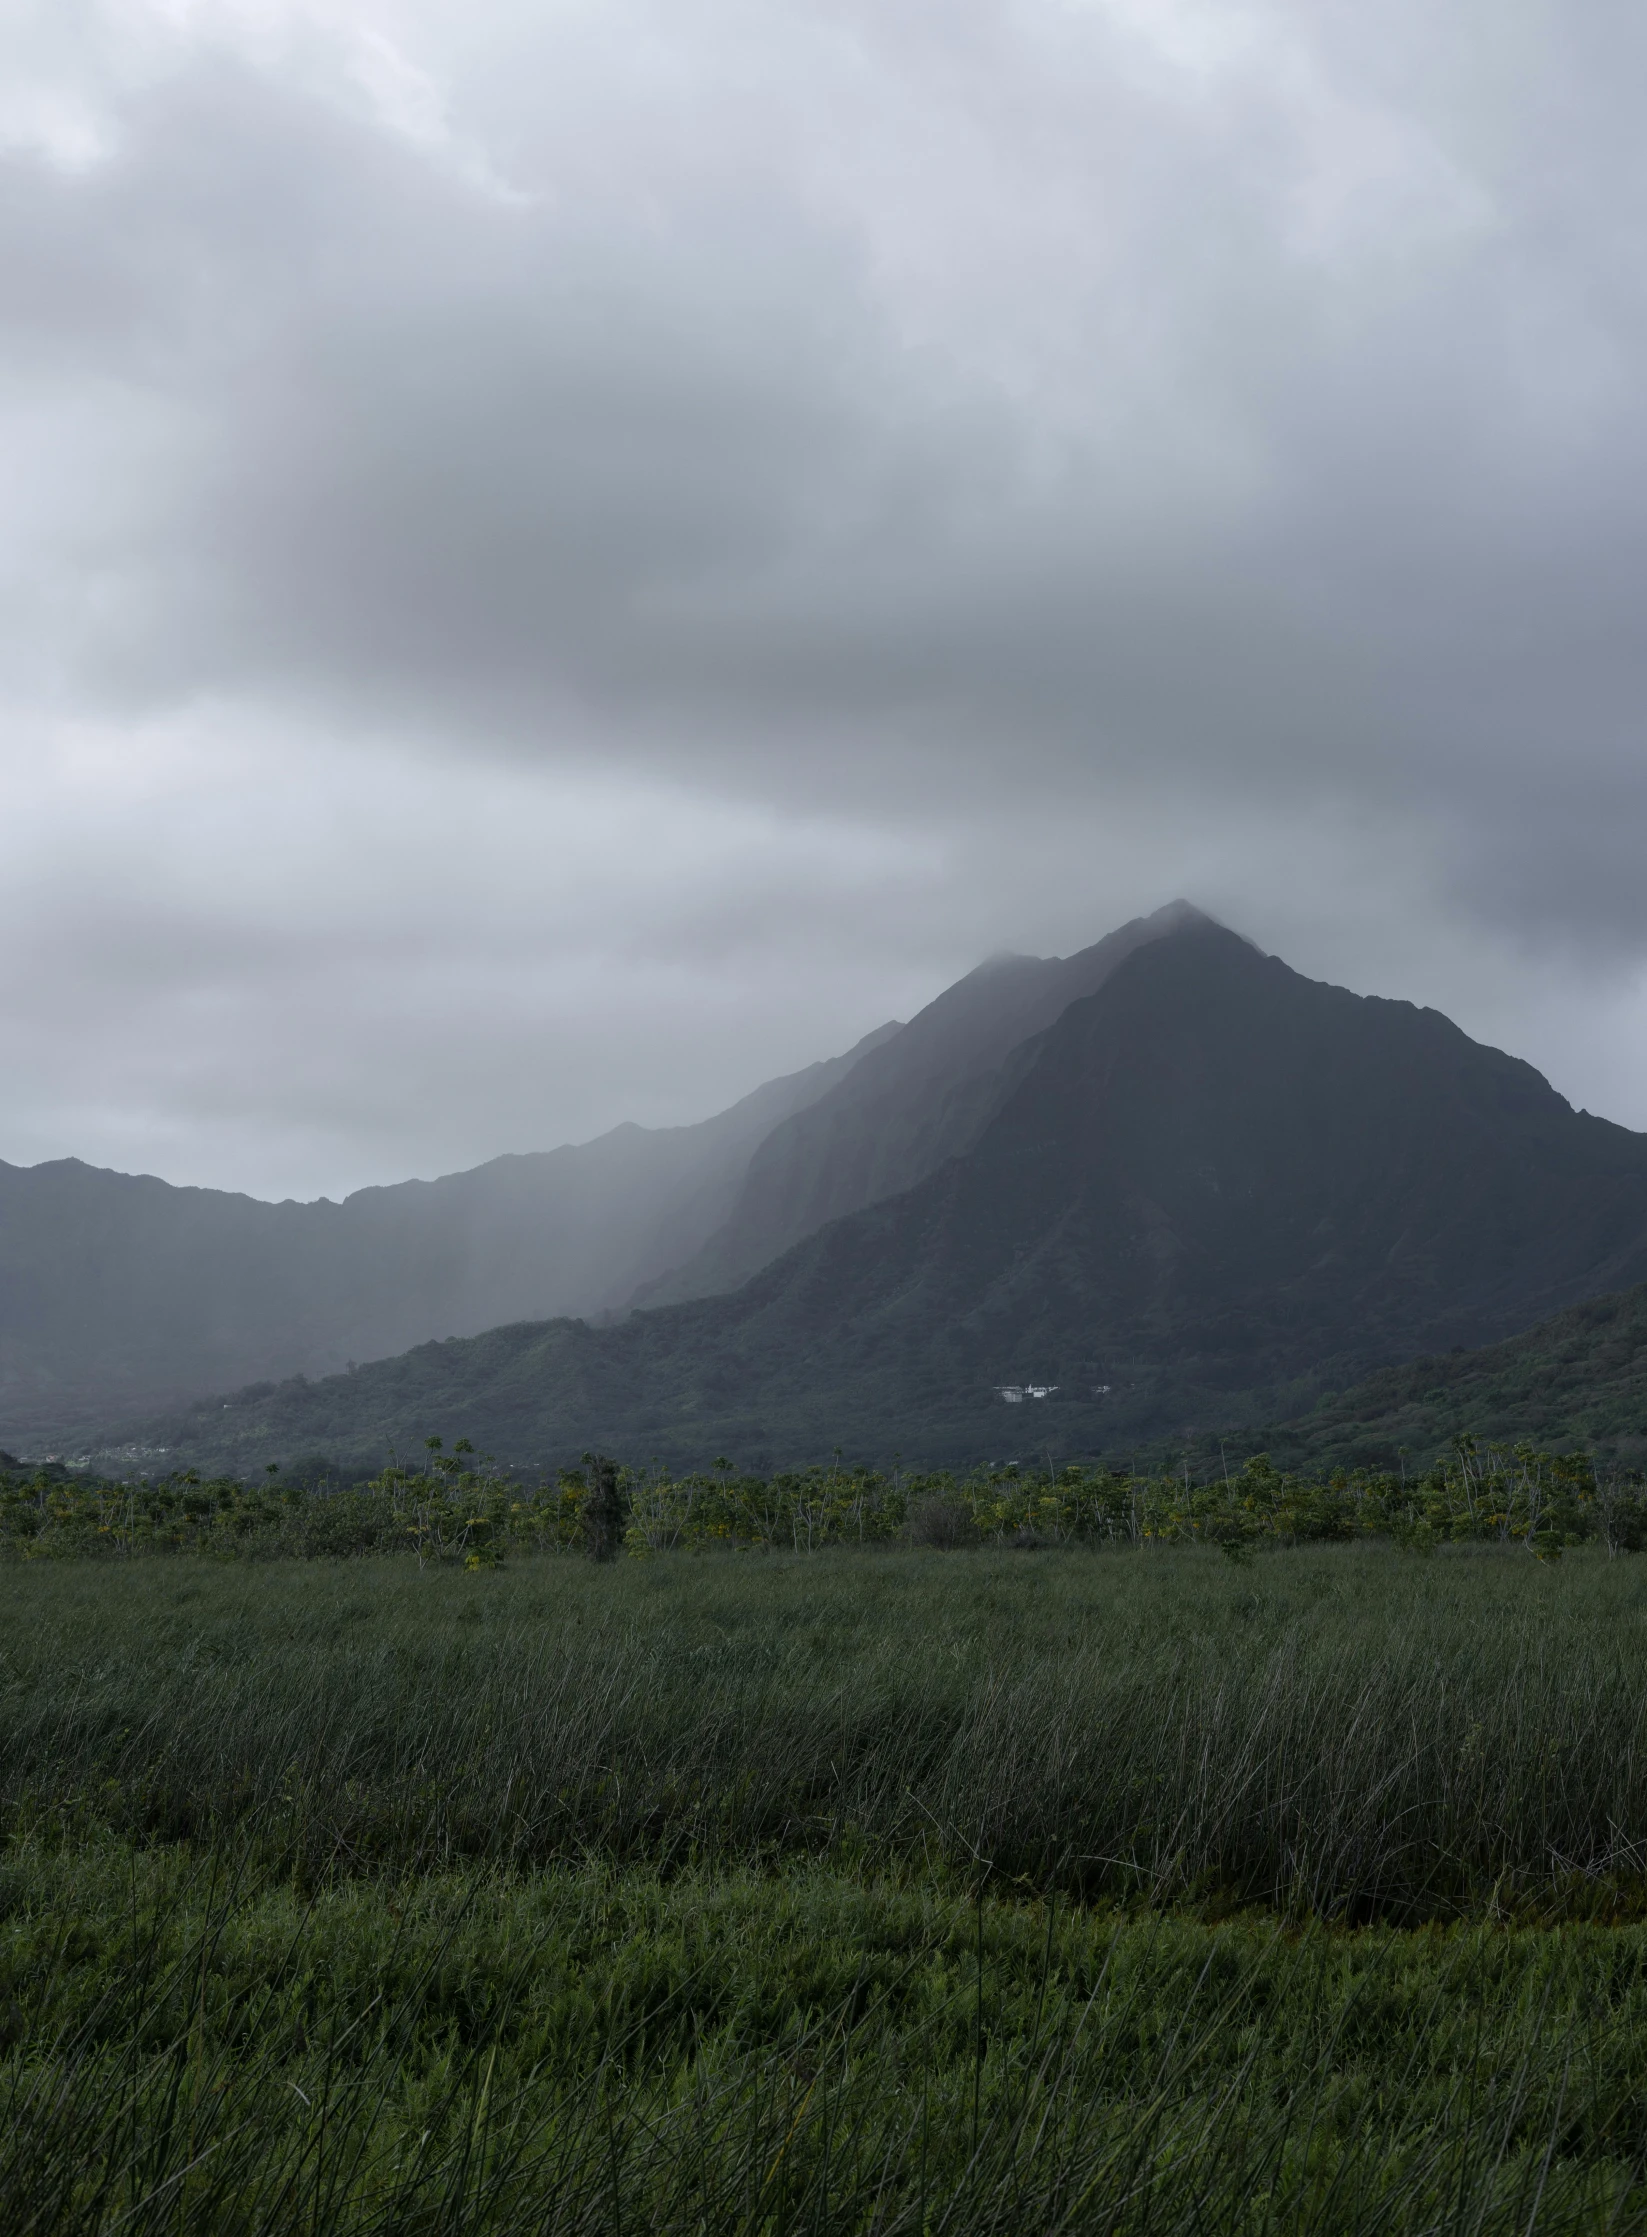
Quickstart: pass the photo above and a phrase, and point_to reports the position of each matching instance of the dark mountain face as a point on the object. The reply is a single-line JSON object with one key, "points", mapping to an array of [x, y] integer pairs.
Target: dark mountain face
{"points": [[119, 1291], [1212, 1186], [1217, 1161], [921, 1098]]}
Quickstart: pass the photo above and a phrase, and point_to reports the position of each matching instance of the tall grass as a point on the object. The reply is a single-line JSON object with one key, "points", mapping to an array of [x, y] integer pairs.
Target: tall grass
{"points": [[1340, 1732], [191, 2046]]}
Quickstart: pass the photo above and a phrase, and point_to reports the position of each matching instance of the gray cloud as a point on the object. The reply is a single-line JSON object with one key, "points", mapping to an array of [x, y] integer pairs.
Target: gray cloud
{"points": [[747, 508]]}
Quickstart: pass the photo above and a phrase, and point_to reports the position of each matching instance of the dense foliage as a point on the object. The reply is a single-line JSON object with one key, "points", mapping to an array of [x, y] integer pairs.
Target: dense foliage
{"points": [[1578, 1381], [454, 1507]]}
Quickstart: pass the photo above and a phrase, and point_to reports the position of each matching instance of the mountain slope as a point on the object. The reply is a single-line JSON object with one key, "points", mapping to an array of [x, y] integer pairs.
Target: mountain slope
{"points": [[121, 1291], [1207, 1192], [921, 1098], [1577, 1381]]}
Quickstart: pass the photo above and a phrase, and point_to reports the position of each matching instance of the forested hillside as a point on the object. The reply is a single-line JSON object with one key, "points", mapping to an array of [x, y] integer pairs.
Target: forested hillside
{"points": [[1576, 1382]]}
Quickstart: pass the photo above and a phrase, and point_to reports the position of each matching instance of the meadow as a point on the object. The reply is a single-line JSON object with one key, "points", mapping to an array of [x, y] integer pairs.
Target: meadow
{"points": [[1111, 1888]]}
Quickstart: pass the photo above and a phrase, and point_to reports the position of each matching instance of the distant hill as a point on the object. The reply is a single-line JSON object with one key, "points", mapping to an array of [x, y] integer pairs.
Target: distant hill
{"points": [[1576, 1382], [1205, 1194], [119, 1291]]}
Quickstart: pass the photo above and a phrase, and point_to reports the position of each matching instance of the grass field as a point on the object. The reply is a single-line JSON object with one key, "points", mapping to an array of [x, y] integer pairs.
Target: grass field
{"points": [[873, 1891]]}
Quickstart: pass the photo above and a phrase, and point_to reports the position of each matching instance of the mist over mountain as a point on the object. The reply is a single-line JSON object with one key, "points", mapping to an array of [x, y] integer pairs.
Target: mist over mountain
{"points": [[123, 1293], [1204, 1193], [921, 1097], [120, 1291]]}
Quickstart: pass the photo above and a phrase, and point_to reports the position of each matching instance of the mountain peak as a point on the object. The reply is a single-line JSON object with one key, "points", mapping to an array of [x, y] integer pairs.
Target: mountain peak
{"points": [[1181, 916], [908, 1106]]}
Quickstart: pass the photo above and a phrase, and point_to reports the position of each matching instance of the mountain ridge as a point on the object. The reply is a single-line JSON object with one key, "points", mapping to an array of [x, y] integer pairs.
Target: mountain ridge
{"points": [[124, 1291], [1209, 1191]]}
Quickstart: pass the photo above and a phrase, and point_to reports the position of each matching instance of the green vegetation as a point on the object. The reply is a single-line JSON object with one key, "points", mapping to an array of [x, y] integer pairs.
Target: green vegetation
{"points": [[597, 2052], [457, 1508], [1577, 1382], [1350, 1732], [1082, 1888]]}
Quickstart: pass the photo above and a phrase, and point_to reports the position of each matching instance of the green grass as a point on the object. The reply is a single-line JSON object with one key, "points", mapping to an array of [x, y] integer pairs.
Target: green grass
{"points": [[1349, 1733], [583, 2050], [883, 1891]]}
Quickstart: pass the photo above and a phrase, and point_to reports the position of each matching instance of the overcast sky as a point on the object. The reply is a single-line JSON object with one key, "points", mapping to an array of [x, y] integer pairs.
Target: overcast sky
{"points": [[562, 558]]}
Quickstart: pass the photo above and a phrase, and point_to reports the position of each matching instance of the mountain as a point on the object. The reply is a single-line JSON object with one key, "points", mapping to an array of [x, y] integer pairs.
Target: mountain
{"points": [[120, 1291], [922, 1097], [1203, 1195], [1575, 1382]]}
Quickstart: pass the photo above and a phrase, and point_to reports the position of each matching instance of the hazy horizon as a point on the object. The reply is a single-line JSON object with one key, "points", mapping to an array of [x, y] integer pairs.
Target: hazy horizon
{"points": [[565, 562]]}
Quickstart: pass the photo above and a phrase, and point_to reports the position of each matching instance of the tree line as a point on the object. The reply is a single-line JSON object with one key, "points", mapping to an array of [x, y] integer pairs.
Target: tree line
{"points": [[456, 1506]]}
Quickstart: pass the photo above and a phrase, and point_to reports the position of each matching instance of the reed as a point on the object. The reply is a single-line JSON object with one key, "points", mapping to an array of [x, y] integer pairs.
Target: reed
{"points": [[1347, 1733], [898, 1892]]}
